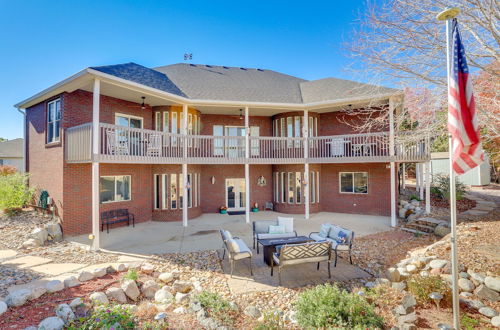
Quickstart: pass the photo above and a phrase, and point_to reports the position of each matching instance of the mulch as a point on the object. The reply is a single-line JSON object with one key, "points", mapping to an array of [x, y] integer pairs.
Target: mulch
{"points": [[463, 204]]}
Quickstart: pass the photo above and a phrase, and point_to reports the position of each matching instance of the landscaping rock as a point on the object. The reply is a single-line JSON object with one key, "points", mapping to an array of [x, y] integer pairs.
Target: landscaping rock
{"points": [[408, 318], [466, 294], [495, 321], [30, 243], [442, 230], [110, 270], [195, 306], [464, 275], [402, 310], [99, 272], [84, 276], [75, 303], [37, 292], [209, 323], [411, 269], [166, 277], [488, 312], [54, 286], [474, 304], [65, 313], [131, 290], [484, 292], [116, 294], [252, 311], [39, 234], [160, 316], [147, 268], [408, 301], [393, 275], [71, 282], [400, 286], [492, 283], [182, 286], [163, 296], [465, 285], [407, 326], [99, 297], [51, 323], [180, 310], [149, 288], [3, 307], [201, 314], [120, 267], [54, 230], [479, 278], [438, 263], [182, 298], [424, 273], [18, 297]]}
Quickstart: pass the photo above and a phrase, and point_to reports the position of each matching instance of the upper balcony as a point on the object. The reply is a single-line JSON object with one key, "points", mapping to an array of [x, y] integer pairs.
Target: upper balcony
{"points": [[118, 144]]}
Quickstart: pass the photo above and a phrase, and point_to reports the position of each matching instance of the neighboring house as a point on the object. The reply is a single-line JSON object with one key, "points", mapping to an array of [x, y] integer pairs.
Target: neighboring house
{"points": [[11, 154], [173, 142], [478, 176]]}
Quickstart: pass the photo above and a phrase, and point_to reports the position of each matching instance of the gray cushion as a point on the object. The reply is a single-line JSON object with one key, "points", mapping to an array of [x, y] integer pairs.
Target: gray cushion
{"points": [[238, 249], [303, 260], [334, 231], [271, 236], [325, 230], [263, 225]]}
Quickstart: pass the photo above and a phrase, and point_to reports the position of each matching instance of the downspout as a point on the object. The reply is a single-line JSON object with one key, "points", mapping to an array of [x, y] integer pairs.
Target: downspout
{"points": [[24, 138]]}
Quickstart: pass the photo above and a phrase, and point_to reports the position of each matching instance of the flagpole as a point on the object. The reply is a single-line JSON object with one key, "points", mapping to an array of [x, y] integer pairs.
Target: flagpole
{"points": [[448, 15]]}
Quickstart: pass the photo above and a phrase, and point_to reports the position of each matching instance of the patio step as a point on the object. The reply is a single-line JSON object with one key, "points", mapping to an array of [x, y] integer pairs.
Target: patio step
{"points": [[414, 231], [418, 226]]}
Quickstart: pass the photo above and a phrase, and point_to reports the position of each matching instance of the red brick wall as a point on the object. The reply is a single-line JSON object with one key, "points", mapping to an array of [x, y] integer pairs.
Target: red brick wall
{"points": [[334, 123], [208, 120], [44, 162], [214, 195], [376, 202]]}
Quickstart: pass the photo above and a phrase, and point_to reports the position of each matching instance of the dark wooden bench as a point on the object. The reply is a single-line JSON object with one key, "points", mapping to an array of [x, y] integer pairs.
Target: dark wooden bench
{"points": [[116, 216]]}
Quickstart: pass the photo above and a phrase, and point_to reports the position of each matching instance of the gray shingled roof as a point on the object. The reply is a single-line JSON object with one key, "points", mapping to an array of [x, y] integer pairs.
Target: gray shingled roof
{"points": [[11, 148], [222, 83], [335, 89]]}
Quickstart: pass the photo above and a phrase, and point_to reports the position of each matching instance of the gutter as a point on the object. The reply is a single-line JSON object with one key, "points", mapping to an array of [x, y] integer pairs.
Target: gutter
{"points": [[24, 138]]}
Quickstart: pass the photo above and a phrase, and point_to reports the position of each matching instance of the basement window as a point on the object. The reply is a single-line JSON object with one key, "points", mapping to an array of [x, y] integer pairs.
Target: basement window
{"points": [[353, 182], [114, 188]]}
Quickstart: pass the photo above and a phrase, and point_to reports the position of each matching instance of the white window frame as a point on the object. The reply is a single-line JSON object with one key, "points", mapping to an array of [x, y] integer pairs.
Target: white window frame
{"points": [[198, 192], [317, 187], [129, 186], [166, 120], [156, 201], [283, 191], [353, 190], [158, 122], [276, 187], [52, 121], [173, 181], [298, 185], [141, 119], [312, 189], [164, 191], [290, 177], [189, 180], [174, 124]]}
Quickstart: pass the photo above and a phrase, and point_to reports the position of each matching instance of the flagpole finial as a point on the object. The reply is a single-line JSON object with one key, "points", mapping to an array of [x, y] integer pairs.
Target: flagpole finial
{"points": [[448, 13]]}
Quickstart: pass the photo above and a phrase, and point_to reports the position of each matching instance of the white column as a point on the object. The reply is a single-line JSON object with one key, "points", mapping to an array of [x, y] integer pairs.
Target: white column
{"points": [[403, 177], [422, 172], [305, 133], [393, 164], [417, 177], [428, 188], [247, 166], [95, 165], [184, 166]]}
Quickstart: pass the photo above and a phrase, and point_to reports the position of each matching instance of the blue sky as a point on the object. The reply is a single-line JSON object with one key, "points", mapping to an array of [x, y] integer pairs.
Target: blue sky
{"points": [[43, 42]]}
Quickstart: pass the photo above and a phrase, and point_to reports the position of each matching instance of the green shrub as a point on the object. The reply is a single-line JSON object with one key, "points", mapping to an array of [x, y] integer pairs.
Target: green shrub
{"points": [[468, 322], [272, 321], [14, 191], [131, 275], [422, 286], [326, 306], [108, 317], [216, 307], [442, 187], [414, 197]]}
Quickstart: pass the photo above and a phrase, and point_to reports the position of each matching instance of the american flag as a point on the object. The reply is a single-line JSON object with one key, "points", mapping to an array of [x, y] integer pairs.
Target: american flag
{"points": [[462, 120]]}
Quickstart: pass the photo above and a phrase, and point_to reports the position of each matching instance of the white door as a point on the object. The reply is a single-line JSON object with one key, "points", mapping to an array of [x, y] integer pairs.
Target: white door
{"points": [[235, 147], [235, 194]]}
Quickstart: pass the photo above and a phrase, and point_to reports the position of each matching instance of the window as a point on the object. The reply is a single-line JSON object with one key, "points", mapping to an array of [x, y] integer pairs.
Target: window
{"points": [[114, 188], [127, 120], [317, 187], [276, 187], [254, 146], [291, 187], [165, 121], [198, 191], [298, 188], [311, 127], [157, 189], [283, 188], [189, 190], [218, 143], [354, 182], [181, 191], [173, 191], [283, 127], [164, 190], [312, 187], [174, 128], [158, 121], [54, 121]]}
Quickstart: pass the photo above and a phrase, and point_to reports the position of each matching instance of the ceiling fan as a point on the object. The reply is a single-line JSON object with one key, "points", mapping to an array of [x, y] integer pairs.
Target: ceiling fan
{"points": [[142, 105], [240, 116]]}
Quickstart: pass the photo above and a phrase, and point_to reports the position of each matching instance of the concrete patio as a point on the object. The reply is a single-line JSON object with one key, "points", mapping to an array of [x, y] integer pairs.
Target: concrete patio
{"points": [[202, 233]]}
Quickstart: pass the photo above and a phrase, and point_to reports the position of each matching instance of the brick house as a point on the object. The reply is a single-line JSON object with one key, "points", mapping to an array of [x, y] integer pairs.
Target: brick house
{"points": [[173, 142]]}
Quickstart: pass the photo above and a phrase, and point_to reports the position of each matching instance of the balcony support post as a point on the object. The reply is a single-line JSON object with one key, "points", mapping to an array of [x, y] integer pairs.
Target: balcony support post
{"points": [[305, 136], [247, 166], [392, 106], [184, 166], [427, 187], [95, 164], [403, 176], [422, 183]]}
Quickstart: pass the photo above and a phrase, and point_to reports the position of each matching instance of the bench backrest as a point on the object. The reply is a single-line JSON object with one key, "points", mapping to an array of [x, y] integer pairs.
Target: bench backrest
{"points": [[334, 231], [304, 251], [119, 213], [262, 226]]}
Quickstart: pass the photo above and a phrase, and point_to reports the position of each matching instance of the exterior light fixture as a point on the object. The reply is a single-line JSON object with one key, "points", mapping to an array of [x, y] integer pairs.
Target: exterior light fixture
{"points": [[241, 114], [143, 106], [212, 180]]}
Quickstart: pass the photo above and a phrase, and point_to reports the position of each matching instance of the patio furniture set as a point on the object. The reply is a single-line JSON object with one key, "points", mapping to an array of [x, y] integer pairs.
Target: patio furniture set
{"points": [[282, 246]]}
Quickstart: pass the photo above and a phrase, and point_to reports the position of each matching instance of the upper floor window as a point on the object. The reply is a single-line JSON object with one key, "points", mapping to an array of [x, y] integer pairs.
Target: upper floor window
{"points": [[54, 121], [354, 182], [128, 120], [294, 126]]}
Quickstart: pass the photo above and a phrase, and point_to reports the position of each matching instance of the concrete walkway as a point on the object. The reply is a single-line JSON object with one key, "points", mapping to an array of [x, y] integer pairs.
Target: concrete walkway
{"points": [[202, 233]]}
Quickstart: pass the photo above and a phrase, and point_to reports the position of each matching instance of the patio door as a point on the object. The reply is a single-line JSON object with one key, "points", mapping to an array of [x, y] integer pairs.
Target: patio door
{"points": [[234, 147], [235, 194]]}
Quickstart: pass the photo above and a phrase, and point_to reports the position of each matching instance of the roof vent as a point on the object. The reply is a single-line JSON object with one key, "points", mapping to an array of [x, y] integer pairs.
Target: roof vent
{"points": [[243, 69], [192, 64], [260, 70], [208, 66], [225, 67]]}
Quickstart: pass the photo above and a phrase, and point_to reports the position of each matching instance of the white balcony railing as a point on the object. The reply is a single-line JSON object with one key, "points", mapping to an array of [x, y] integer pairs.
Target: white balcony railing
{"points": [[118, 144]]}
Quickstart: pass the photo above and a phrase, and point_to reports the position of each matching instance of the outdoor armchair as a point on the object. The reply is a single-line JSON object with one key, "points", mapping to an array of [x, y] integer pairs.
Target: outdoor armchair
{"points": [[236, 249], [340, 238]]}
